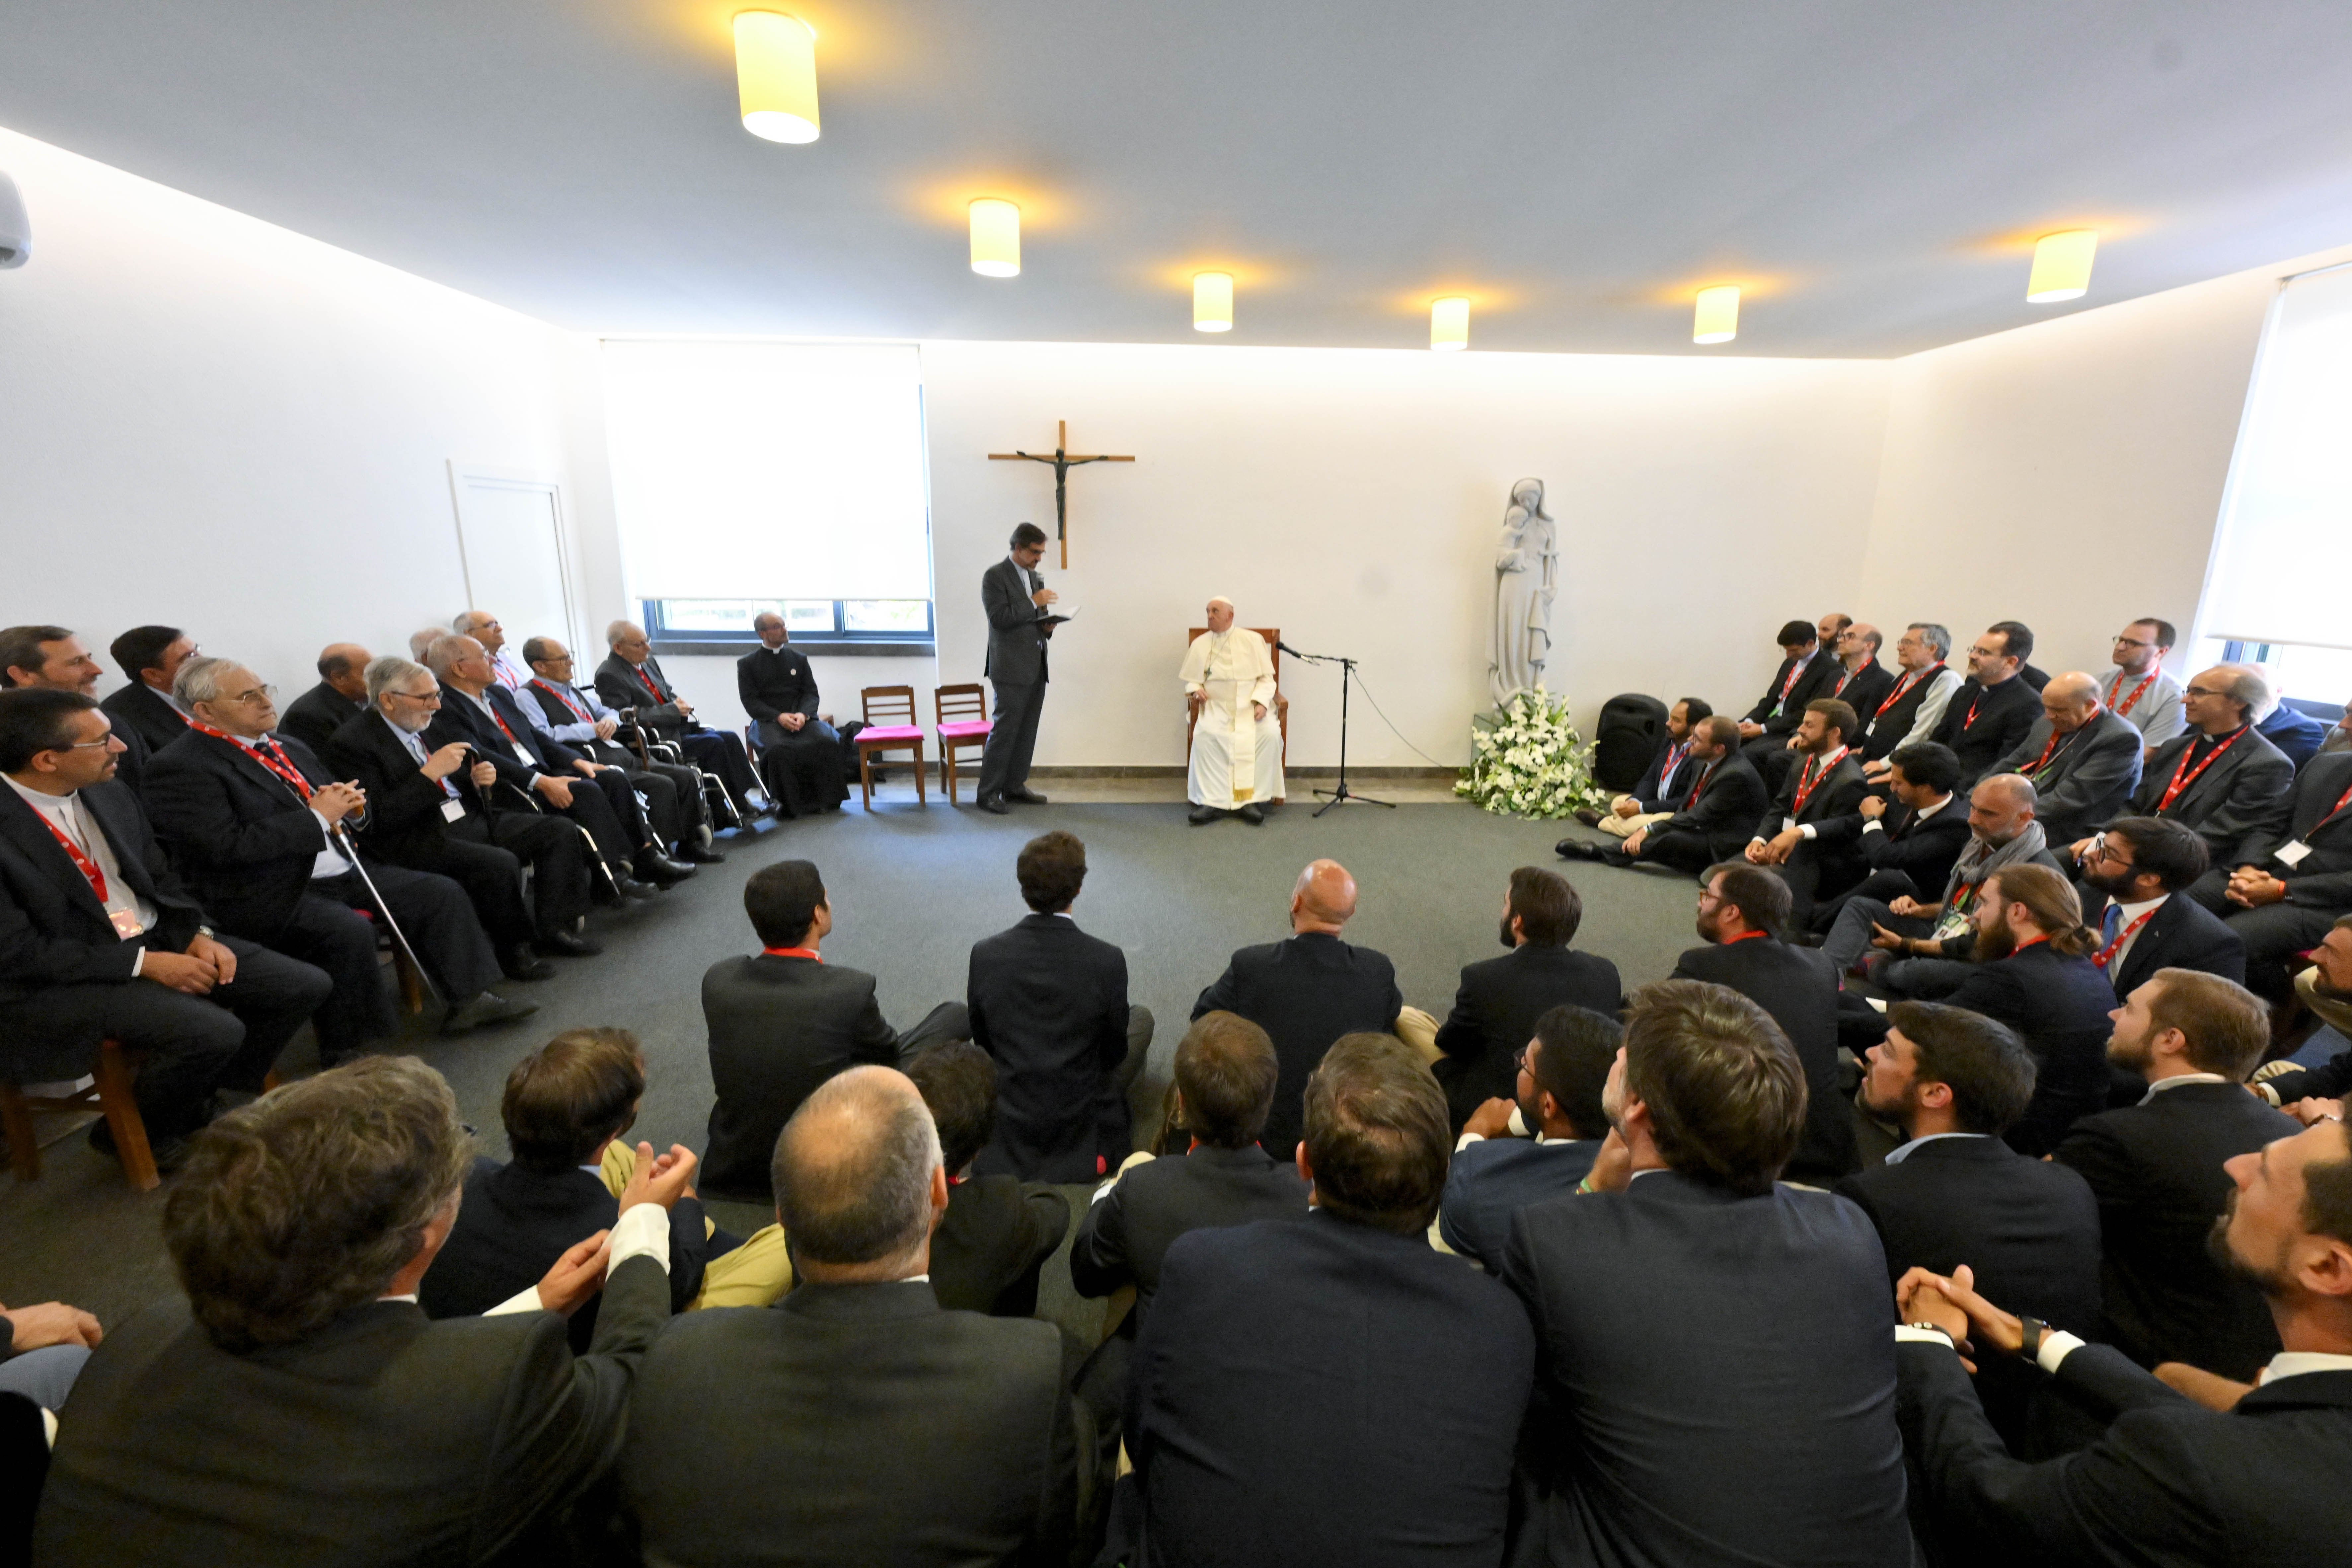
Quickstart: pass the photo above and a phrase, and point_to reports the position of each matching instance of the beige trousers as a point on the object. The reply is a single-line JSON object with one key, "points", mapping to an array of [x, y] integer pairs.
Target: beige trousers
{"points": [[1618, 827], [753, 1275]]}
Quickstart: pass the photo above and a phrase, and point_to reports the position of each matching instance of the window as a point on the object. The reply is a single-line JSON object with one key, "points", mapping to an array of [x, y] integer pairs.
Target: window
{"points": [[2275, 591], [793, 473]]}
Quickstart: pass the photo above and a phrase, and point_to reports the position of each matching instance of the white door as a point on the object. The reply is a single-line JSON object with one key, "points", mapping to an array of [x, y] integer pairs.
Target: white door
{"points": [[510, 538]]}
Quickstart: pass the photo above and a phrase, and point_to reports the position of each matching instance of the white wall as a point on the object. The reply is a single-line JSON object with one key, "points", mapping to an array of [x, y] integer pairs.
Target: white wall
{"points": [[2068, 474], [211, 422], [1353, 498]]}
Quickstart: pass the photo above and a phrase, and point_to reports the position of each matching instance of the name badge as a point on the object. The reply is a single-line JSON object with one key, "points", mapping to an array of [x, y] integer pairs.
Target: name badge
{"points": [[126, 924], [1787, 823], [2292, 854], [453, 811]]}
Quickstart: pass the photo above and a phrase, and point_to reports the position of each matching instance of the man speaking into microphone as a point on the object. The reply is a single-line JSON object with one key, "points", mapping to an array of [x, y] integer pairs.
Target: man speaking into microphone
{"points": [[1019, 607]]}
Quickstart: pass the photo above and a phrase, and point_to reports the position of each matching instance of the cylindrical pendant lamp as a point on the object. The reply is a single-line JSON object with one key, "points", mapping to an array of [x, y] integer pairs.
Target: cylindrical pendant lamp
{"points": [[1449, 323], [2062, 267], [1212, 302], [1717, 319], [775, 75], [996, 238]]}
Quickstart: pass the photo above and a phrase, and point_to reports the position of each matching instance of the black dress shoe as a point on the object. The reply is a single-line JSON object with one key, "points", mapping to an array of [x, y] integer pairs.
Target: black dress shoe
{"points": [[1025, 796], [995, 805], [653, 865], [631, 888], [486, 1007], [695, 854], [521, 964], [569, 944], [1252, 813], [1577, 849], [1200, 815], [1586, 815]]}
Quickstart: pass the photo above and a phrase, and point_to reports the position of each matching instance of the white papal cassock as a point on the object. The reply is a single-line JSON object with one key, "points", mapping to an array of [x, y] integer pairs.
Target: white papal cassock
{"points": [[1236, 758]]}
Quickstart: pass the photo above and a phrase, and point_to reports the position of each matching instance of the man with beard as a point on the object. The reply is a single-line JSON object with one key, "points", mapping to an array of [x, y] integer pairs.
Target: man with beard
{"points": [[1858, 681], [1989, 715], [1953, 1192], [1663, 784], [2139, 864], [2157, 1169], [1494, 1175], [2326, 986], [2257, 1477], [2033, 972], [1716, 816], [1908, 844], [1827, 787], [1887, 912]]}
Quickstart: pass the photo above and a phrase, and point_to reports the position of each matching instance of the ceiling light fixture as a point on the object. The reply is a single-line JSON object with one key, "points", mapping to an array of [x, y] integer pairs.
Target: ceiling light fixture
{"points": [[775, 75], [1717, 318], [2062, 267], [1449, 323], [1212, 302], [996, 238]]}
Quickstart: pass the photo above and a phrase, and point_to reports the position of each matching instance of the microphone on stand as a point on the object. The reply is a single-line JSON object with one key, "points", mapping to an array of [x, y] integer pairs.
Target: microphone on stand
{"points": [[1288, 649]]}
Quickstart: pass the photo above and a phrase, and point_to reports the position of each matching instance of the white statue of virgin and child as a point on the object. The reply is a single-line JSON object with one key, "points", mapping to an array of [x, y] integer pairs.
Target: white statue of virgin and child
{"points": [[1527, 580]]}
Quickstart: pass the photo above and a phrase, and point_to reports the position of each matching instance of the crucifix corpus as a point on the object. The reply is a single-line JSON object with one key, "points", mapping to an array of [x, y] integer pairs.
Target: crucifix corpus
{"points": [[1063, 461]]}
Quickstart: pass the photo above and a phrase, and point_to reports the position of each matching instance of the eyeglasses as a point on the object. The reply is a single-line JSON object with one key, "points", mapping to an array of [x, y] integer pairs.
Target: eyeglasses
{"points": [[104, 742], [264, 693], [431, 699], [2202, 692], [2135, 642], [1980, 651]]}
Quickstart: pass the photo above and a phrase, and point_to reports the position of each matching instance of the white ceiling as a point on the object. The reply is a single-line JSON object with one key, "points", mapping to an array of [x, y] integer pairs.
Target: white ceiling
{"points": [[1874, 171]]}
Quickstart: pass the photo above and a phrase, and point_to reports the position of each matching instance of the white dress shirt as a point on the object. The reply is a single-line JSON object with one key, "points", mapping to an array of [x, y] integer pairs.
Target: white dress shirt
{"points": [[2177, 1079], [2125, 915], [1902, 1154], [330, 861]]}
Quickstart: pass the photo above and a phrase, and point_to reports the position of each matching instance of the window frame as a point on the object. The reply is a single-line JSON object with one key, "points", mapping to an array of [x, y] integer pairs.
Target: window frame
{"points": [[734, 644]]}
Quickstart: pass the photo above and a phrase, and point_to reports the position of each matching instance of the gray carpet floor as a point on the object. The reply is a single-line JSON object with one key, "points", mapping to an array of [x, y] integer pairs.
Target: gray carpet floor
{"points": [[912, 889]]}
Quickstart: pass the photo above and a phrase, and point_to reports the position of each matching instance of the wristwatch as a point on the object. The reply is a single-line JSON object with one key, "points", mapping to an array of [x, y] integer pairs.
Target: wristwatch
{"points": [[205, 932], [2031, 1332]]}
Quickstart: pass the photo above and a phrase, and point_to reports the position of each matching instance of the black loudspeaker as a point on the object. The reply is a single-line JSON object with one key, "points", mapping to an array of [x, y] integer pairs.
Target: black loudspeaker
{"points": [[1626, 740]]}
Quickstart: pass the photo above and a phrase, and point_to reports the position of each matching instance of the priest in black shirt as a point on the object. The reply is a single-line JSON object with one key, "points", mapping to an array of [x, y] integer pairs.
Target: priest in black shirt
{"points": [[801, 760]]}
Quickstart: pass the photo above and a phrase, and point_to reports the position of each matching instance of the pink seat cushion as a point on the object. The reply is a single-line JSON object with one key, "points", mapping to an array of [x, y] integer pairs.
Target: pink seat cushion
{"points": [[890, 735], [967, 730]]}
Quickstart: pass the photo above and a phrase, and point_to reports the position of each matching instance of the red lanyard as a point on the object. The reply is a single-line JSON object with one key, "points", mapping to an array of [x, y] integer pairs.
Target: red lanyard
{"points": [[1699, 788], [808, 953], [83, 863], [2123, 708], [1744, 936], [1809, 782], [501, 724], [2172, 791], [273, 757], [1902, 686], [2107, 953], [2033, 770], [1845, 680], [647, 682], [1970, 722], [1674, 756], [567, 699], [1795, 669], [2028, 941]]}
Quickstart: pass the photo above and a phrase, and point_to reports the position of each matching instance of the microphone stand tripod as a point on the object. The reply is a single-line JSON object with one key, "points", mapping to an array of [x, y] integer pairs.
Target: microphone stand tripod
{"points": [[1342, 795]]}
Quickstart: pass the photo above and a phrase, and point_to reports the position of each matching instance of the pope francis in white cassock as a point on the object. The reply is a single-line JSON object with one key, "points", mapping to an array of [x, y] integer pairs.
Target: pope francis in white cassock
{"points": [[1237, 743]]}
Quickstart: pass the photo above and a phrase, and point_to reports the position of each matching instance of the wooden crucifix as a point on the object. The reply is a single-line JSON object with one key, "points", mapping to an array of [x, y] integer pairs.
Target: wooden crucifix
{"points": [[1063, 462]]}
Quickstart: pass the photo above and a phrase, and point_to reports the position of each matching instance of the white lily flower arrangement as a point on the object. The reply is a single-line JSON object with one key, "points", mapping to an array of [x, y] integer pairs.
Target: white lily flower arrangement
{"points": [[1528, 760]]}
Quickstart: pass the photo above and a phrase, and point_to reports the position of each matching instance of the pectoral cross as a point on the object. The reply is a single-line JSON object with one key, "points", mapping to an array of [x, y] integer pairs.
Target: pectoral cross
{"points": [[1063, 462]]}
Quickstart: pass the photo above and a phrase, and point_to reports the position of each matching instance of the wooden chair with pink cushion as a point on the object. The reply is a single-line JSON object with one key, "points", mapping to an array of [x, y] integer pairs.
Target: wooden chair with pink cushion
{"points": [[890, 726], [963, 722], [1272, 635]]}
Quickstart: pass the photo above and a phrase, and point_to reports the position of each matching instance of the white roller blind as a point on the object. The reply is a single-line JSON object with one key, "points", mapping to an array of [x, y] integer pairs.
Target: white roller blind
{"points": [[2285, 557], [767, 470]]}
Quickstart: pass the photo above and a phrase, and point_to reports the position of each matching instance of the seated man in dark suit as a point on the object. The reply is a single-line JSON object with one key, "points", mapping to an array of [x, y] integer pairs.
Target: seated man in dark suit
{"points": [[1952, 1192], [52, 658], [564, 1107], [150, 658], [1859, 681], [1225, 1075], [2220, 777], [1662, 784], [1049, 1004], [2142, 865], [1495, 1009], [1769, 1436], [1307, 991], [998, 1231], [1269, 1344], [340, 697], [428, 809], [1714, 820], [1827, 787], [2157, 1169], [1808, 665], [801, 760], [2082, 761], [784, 1020], [264, 835], [1988, 717], [2326, 986], [2281, 899], [98, 940], [854, 1421], [631, 680], [577, 718], [2031, 972], [297, 1405], [1741, 914], [2257, 1480], [538, 774], [1498, 1170], [1909, 845], [1891, 913]]}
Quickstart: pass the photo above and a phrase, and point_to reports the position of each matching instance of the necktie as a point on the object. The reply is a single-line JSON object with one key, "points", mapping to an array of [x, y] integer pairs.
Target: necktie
{"points": [[2114, 921]]}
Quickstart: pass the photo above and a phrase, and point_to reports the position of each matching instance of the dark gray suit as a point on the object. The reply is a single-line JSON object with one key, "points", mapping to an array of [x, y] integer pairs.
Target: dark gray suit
{"points": [[2088, 779], [141, 707], [1305, 994], [2240, 805], [852, 1424], [382, 1438], [315, 716], [1016, 668]]}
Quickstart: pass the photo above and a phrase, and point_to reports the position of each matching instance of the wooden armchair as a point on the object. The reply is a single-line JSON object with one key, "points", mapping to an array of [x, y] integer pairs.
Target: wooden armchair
{"points": [[1272, 635]]}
